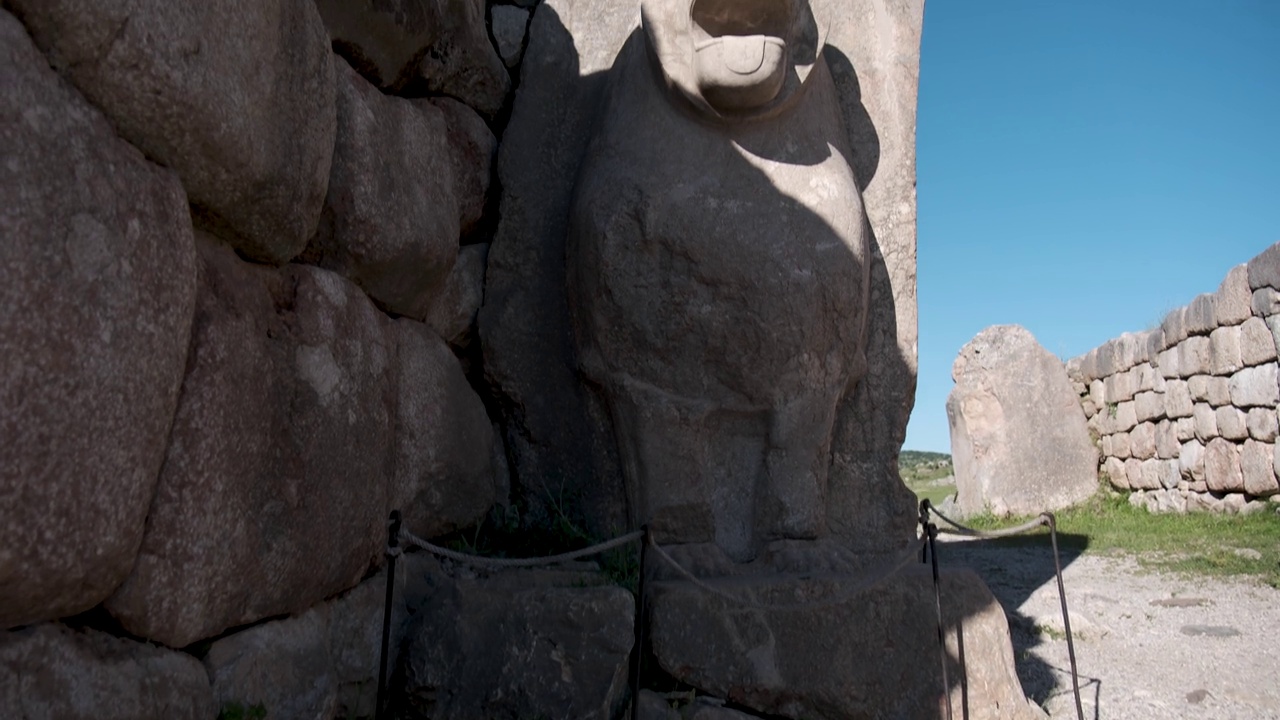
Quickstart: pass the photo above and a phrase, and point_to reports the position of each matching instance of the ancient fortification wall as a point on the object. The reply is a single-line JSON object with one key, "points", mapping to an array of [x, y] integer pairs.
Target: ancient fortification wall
{"points": [[1185, 414]]}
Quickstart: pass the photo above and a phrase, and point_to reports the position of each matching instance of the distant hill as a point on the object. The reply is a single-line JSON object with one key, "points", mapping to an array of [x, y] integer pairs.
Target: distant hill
{"points": [[916, 457], [918, 466]]}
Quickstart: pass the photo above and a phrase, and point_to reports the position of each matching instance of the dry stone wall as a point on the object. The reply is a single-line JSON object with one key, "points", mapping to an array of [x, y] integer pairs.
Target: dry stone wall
{"points": [[1185, 413]]}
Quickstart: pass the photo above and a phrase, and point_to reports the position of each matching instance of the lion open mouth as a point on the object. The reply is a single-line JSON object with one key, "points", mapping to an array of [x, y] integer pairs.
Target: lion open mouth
{"points": [[740, 50]]}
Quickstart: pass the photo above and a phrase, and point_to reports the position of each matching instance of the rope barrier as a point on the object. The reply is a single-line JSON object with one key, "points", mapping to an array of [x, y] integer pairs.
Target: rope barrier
{"points": [[499, 563]]}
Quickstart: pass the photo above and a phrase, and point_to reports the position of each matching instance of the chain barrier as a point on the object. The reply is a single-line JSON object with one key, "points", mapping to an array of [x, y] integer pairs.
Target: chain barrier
{"points": [[1045, 519]]}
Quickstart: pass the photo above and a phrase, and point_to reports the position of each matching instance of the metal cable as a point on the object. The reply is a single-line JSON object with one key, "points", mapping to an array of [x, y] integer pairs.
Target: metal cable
{"points": [[499, 563]]}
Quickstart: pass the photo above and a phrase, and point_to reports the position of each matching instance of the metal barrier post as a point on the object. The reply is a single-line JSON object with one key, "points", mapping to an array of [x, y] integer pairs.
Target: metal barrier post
{"points": [[640, 622], [393, 549], [932, 530]]}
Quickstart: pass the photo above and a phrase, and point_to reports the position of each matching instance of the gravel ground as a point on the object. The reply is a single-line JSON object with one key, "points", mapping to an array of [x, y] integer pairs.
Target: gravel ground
{"points": [[1149, 645]]}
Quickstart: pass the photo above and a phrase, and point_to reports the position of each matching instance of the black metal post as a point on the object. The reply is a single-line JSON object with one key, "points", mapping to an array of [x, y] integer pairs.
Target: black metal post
{"points": [[640, 622], [924, 528], [1066, 621], [937, 603], [393, 545]]}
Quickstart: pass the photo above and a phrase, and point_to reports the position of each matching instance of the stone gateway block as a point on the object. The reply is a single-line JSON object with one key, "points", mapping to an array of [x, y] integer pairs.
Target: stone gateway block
{"points": [[1012, 399]]}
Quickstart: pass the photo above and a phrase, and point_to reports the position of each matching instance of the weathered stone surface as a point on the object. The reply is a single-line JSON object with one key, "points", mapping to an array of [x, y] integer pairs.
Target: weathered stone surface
{"points": [[443, 477], [97, 286], [1191, 460], [1185, 428], [1166, 440], [1264, 268], [1200, 315], [1273, 324], [324, 662], [1018, 436], [1143, 440], [1206, 422], [1257, 345], [1231, 303], [525, 318], [390, 221], [472, 149], [1177, 399], [1113, 469], [51, 671], [1256, 467], [1121, 445], [1144, 376], [1265, 302], [236, 97], [453, 315], [1098, 392], [1120, 387], [1262, 424], [1255, 387], [1167, 363], [1126, 416], [1224, 347], [656, 707], [1195, 357], [1155, 343], [765, 659], [1174, 326], [1219, 391], [1198, 386], [1222, 466], [1231, 423], [1149, 475], [1233, 503], [274, 489], [509, 25], [462, 63], [1148, 406], [1133, 471], [506, 647], [1198, 502]]}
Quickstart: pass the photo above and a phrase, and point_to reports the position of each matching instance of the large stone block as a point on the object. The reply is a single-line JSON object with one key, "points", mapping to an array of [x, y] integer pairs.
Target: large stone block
{"points": [[1200, 316], [1265, 302], [274, 489], [1195, 356], [1224, 347], [518, 646], [1256, 467], [236, 97], [1206, 422], [1185, 428], [391, 216], [1120, 387], [50, 671], [1113, 469], [1166, 440], [1198, 386], [1121, 445], [1231, 423], [1143, 440], [1262, 424], [97, 286], [453, 315], [1255, 387], [1168, 364], [1148, 406], [1264, 268], [1174, 326], [1125, 417], [463, 63], [1219, 391], [443, 478], [1257, 345], [1177, 399], [1222, 466], [1191, 460], [1011, 405], [1231, 303], [819, 662], [1144, 376]]}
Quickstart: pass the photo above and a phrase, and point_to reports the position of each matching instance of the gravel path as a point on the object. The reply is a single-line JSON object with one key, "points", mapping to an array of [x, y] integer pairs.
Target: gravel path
{"points": [[1149, 645]]}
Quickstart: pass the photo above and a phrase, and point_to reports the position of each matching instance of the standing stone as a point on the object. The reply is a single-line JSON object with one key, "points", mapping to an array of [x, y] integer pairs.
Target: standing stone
{"points": [[1262, 424], [1224, 346], [1231, 423], [518, 646], [1256, 461], [1231, 303], [1017, 434], [390, 221], [1222, 466], [1254, 387], [1257, 345], [274, 489], [1195, 357], [50, 671], [443, 478], [97, 286], [1177, 399], [236, 97], [1143, 440], [1206, 422]]}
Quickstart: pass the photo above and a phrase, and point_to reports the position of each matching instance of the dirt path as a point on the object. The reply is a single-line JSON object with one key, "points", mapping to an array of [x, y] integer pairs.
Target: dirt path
{"points": [[1149, 645]]}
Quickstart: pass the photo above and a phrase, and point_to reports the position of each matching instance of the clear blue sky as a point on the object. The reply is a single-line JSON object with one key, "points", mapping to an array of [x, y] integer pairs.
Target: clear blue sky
{"points": [[1084, 167]]}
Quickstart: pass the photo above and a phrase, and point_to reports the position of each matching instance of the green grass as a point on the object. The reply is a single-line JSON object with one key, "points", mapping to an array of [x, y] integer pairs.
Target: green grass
{"points": [[919, 469], [1196, 543], [236, 711]]}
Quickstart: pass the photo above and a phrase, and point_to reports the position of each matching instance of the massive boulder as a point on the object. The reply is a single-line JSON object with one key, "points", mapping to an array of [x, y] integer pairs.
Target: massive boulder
{"points": [[825, 649], [392, 216], [274, 489], [1018, 435], [97, 286], [237, 97], [52, 671], [520, 644]]}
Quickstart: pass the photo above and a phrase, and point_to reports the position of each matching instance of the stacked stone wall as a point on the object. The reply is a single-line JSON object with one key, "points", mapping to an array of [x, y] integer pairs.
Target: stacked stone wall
{"points": [[1184, 414]]}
